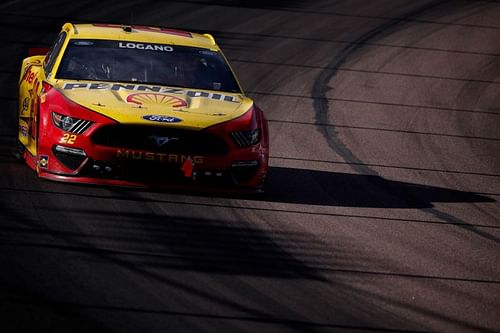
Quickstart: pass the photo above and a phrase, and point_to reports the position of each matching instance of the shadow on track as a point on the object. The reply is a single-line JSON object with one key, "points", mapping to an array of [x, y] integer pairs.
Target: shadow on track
{"points": [[312, 187], [284, 185]]}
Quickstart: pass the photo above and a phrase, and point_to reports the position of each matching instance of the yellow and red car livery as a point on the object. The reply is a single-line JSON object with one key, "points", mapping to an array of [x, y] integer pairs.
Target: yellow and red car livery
{"points": [[136, 105]]}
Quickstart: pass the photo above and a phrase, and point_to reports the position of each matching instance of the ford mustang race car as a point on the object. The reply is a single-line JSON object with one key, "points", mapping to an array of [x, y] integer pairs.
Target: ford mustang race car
{"points": [[139, 106]]}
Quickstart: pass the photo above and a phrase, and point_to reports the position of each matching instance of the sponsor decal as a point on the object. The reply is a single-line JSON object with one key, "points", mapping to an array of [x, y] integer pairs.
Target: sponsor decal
{"points": [[126, 154], [44, 161], [156, 98], [160, 141], [146, 47], [219, 97], [26, 103], [161, 119], [149, 88], [30, 77], [23, 129]]}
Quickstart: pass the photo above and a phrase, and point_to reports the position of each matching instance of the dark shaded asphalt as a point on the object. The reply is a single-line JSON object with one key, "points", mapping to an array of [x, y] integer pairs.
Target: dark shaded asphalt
{"points": [[381, 211]]}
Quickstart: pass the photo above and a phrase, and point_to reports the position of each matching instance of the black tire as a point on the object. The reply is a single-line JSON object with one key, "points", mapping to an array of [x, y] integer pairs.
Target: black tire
{"points": [[19, 151]]}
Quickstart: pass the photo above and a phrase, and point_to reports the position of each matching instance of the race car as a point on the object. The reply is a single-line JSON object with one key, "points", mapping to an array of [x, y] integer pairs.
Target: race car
{"points": [[139, 106]]}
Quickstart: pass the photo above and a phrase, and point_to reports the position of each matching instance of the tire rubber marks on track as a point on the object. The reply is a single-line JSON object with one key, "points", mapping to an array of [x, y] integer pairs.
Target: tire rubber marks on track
{"points": [[322, 112]]}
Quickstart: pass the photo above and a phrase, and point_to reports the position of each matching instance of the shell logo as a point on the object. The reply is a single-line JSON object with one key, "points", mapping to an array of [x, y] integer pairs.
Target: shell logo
{"points": [[156, 98]]}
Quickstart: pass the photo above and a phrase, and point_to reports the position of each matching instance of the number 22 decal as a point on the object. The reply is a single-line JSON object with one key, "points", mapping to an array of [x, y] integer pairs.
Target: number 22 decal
{"points": [[68, 138]]}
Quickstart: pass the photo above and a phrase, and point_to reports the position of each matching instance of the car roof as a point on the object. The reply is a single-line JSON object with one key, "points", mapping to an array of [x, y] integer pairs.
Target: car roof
{"points": [[140, 34]]}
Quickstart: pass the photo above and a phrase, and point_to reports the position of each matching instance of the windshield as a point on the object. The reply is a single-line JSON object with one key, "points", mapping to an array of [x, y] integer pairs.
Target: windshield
{"points": [[169, 65]]}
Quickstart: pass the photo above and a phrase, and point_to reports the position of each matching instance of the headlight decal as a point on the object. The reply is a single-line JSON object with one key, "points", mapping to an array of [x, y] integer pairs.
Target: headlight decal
{"points": [[246, 138], [70, 124]]}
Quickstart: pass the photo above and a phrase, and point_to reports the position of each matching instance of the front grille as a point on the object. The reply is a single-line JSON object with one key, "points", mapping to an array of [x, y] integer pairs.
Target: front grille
{"points": [[160, 139], [142, 171], [153, 172]]}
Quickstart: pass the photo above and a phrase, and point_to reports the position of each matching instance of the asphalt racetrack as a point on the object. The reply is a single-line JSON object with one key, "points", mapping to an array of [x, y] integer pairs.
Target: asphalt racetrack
{"points": [[382, 206]]}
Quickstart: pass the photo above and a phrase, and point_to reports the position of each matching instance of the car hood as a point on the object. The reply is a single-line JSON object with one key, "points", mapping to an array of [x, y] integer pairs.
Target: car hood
{"points": [[131, 103]]}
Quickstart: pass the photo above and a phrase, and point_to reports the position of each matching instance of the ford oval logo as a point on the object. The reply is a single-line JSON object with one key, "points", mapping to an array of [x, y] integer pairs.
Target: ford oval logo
{"points": [[162, 119]]}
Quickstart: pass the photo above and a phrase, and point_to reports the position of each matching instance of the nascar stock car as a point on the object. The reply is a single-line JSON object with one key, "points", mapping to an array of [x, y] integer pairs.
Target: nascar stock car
{"points": [[138, 106]]}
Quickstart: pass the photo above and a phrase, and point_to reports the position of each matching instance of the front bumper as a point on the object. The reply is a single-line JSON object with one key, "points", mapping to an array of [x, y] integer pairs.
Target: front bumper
{"points": [[85, 162]]}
